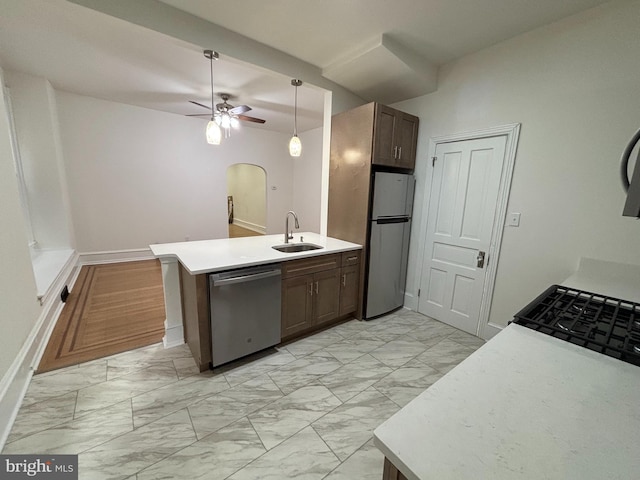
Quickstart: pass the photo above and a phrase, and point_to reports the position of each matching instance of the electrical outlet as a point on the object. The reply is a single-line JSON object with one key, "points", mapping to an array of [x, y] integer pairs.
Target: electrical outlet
{"points": [[64, 294], [513, 220]]}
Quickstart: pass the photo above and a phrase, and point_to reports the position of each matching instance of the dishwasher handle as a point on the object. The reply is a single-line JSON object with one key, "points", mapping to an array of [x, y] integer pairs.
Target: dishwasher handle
{"points": [[218, 282]]}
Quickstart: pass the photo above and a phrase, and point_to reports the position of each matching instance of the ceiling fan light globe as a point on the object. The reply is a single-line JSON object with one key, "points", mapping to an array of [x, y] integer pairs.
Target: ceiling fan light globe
{"points": [[295, 146], [214, 134], [235, 123], [226, 121]]}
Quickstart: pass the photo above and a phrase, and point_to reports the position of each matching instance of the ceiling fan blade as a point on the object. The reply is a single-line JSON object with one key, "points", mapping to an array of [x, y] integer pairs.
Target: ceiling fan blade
{"points": [[199, 104], [198, 115], [240, 109], [250, 119]]}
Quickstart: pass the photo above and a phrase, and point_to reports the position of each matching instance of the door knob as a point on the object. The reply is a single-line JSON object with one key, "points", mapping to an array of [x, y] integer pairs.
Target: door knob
{"points": [[480, 259]]}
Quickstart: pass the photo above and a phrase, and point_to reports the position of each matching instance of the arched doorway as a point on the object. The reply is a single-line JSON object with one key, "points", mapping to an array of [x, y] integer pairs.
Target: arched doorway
{"points": [[246, 200]]}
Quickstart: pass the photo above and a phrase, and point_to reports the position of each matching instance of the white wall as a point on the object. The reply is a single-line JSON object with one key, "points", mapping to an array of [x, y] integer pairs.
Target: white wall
{"points": [[133, 177], [248, 186], [307, 185], [138, 176], [574, 87], [19, 308], [35, 116]]}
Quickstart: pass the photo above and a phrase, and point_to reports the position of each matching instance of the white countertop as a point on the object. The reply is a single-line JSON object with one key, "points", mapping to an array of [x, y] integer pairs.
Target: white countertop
{"points": [[525, 405], [205, 256]]}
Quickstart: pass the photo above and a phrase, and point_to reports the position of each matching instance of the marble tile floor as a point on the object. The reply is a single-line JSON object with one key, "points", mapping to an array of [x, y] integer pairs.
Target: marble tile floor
{"points": [[305, 410]]}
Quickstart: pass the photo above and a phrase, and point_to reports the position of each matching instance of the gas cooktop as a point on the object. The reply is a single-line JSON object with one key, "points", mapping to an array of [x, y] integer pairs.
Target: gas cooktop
{"points": [[604, 324]]}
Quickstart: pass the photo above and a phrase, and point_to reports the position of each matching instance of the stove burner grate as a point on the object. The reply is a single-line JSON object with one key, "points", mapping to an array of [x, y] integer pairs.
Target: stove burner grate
{"points": [[604, 324]]}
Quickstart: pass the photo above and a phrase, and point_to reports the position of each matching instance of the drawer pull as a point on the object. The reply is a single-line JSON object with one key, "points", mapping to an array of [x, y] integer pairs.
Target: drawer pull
{"points": [[352, 259]]}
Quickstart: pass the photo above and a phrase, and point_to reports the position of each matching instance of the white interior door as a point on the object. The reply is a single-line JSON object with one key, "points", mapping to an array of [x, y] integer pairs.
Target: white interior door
{"points": [[462, 209]]}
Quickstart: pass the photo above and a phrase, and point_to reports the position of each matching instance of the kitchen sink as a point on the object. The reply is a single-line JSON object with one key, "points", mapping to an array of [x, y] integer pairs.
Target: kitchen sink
{"points": [[296, 247]]}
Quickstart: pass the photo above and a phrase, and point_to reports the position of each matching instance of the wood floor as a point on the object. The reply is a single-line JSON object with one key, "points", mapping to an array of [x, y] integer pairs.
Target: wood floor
{"points": [[236, 231], [111, 309]]}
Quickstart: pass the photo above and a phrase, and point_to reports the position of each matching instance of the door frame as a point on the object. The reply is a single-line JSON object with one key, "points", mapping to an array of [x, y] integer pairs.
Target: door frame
{"points": [[485, 329]]}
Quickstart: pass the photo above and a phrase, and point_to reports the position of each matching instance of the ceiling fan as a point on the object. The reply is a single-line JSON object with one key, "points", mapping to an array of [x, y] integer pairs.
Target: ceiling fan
{"points": [[227, 115]]}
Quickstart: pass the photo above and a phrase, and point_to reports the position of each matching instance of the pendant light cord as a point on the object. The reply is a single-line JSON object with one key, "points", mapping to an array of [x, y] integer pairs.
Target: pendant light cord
{"points": [[296, 83], [295, 113], [211, 77]]}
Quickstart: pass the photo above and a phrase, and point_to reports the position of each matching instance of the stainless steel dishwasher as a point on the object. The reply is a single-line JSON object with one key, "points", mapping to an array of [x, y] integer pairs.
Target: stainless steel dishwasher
{"points": [[245, 311]]}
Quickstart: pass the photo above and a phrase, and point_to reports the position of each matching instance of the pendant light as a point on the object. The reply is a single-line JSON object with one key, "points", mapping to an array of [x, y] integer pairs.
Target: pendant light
{"points": [[214, 134], [295, 145]]}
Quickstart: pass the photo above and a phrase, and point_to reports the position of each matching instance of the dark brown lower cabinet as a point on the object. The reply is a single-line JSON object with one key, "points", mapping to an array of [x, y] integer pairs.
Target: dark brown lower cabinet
{"points": [[317, 291], [195, 312], [326, 296], [349, 282], [310, 301], [297, 304], [390, 472]]}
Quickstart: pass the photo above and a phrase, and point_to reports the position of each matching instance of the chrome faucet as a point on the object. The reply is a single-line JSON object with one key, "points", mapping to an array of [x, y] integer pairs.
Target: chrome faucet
{"points": [[289, 235]]}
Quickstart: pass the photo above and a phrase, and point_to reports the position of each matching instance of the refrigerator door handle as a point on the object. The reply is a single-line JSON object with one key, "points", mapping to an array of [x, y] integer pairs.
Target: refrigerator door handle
{"points": [[383, 221]]}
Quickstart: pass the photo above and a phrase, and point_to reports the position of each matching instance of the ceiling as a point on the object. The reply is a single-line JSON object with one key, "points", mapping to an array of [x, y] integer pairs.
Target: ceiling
{"points": [[380, 50]]}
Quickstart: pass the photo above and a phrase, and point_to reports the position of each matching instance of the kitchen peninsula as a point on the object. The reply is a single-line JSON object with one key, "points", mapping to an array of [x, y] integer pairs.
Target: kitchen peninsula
{"points": [[332, 268]]}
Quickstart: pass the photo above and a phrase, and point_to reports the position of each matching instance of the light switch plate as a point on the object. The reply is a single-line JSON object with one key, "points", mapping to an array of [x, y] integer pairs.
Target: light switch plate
{"points": [[513, 220]]}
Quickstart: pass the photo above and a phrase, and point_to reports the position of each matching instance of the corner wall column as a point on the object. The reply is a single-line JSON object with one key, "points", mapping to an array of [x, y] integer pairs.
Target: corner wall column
{"points": [[173, 324]]}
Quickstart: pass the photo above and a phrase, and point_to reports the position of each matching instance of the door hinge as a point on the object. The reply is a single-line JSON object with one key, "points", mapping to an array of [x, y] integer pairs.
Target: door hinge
{"points": [[433, 161], [418, 292]]}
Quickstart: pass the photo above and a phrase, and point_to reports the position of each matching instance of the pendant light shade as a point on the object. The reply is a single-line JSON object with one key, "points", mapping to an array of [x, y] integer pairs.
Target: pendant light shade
{"points": [[213, 132], [295, 145]]}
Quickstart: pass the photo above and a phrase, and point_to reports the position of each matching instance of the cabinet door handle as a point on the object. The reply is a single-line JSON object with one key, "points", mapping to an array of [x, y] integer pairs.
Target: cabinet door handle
{"points": [[344, 279], [311, 289], [316, 288], [395, 152], [399, 153]]}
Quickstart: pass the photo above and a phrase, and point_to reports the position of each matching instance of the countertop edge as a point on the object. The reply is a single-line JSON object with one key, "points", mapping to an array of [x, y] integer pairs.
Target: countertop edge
{"points": [[160, 251], [286, 258], [393, 458]]}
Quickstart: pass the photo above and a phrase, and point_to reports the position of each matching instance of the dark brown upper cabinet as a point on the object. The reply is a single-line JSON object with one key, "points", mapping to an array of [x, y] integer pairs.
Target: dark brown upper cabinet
{"points": [[395, 136]]}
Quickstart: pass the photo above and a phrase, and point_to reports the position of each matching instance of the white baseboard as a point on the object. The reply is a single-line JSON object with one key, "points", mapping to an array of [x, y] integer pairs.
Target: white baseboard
{"points": [[15, 382], [491, 330], [49, 267], [173, 336], [410, 301], [254, 227], [116, 256]]}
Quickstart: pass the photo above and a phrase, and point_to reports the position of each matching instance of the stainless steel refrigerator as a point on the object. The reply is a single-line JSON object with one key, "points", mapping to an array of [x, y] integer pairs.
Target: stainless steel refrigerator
{"points": [[389, 230]]}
